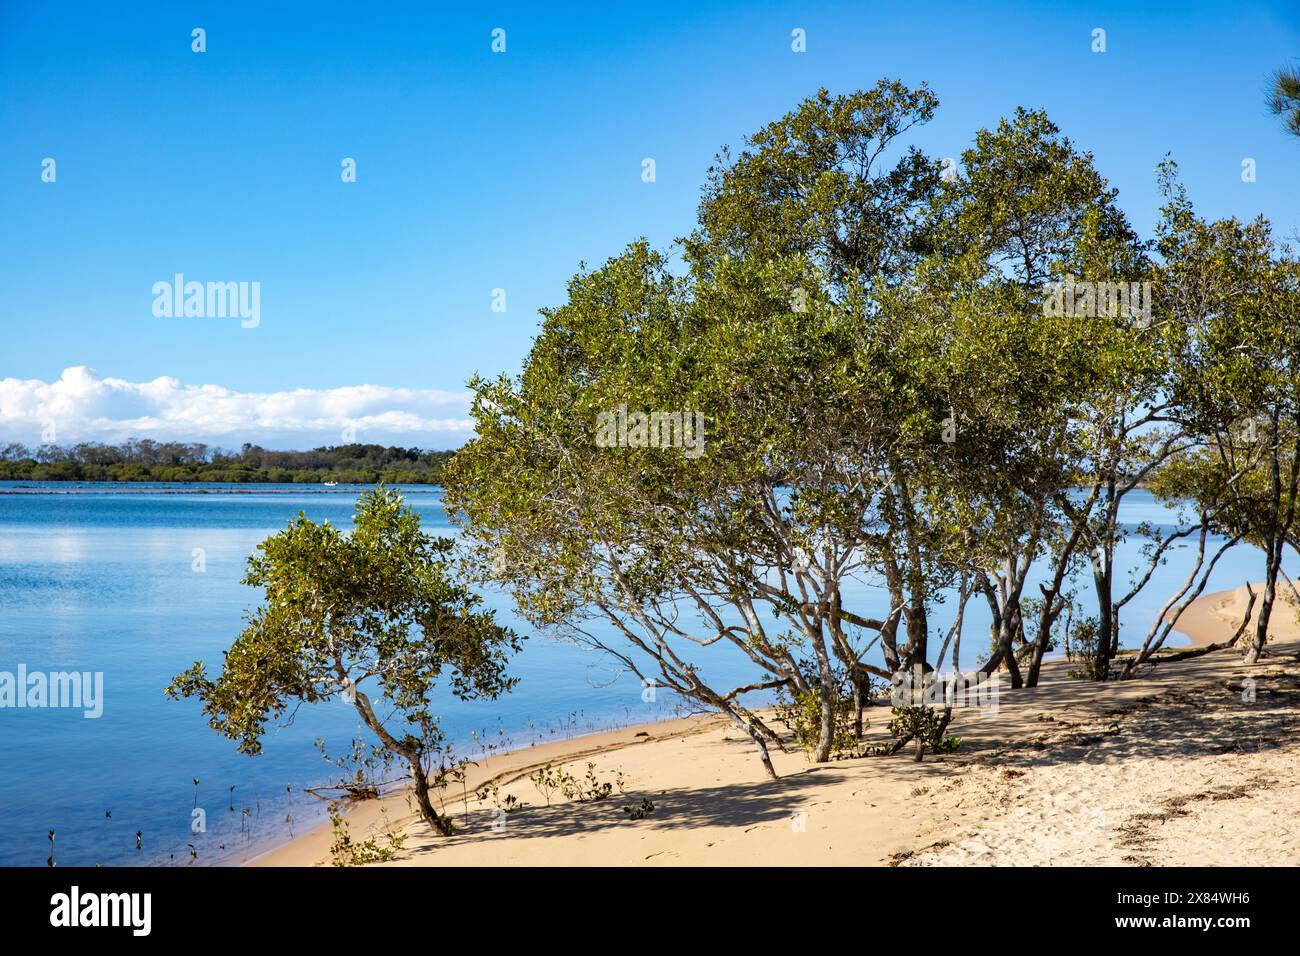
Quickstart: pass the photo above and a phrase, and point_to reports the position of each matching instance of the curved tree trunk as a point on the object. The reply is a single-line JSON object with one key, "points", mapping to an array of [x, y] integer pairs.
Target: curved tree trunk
{"points": [[826, 737], [419, 778], [1256, 646], [1102, 578], [759, 743], [431, 816], [858, 704]]}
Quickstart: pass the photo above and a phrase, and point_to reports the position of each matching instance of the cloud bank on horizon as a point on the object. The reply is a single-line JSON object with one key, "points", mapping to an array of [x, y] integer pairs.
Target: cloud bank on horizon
{"points": [[82, 406]]}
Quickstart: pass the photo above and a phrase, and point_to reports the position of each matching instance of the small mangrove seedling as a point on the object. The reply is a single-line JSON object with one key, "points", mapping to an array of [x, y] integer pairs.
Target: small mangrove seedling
{"points": [[507, 804], [549, 780]]}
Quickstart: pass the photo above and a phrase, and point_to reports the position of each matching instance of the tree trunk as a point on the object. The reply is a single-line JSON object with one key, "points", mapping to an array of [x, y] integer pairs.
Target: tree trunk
{"points": [[918, 633], [759, 743], [1102, 582], [431, 816], [1009, 651], [1277, 531], [1040, 646], [418, 777], [858, 705], [826, 738], [889, 635], [1256, 647], [762, 729]]}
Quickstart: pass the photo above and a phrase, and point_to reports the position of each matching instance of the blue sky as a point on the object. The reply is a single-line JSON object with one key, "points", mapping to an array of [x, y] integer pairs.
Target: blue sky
{"points": [[478, 171]]}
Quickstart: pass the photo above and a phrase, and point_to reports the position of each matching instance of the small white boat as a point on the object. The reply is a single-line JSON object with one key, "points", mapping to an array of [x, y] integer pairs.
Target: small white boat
{"points": [[331, 484]]}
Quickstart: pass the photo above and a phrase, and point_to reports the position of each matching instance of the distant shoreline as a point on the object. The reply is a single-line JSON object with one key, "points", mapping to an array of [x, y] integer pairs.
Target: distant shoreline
{"points": [[150, 462], [193, 488]]}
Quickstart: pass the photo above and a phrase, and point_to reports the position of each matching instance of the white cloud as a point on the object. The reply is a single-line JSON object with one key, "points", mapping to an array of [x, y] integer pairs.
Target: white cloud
{"points": [[81, 406]]}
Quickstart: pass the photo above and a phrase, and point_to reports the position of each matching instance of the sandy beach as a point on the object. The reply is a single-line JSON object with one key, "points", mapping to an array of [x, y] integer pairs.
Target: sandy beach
{"points": [[1192, 763]]}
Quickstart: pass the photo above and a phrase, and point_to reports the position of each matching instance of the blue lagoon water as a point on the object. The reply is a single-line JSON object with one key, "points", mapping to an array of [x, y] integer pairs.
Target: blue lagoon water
{"points": [[104, 578]]}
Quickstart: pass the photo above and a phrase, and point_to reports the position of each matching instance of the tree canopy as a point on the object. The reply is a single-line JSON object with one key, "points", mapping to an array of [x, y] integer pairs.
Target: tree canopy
{"points": [[928, 378]]}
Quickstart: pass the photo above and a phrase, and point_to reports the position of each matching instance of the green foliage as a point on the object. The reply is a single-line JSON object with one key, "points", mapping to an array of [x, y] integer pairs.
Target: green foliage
{"points": [[590, 788], [1236, 376], [888, 391], [813, 186], [924, 727], [1083, 652], [345, 851], [375, 611], [840, 308], [492, 792], [551, 780], [1284, 98], [802, 713]]}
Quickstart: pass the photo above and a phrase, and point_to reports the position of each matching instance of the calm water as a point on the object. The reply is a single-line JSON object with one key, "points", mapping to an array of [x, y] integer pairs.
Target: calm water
{"points": [[105, 581], [102, 578]]}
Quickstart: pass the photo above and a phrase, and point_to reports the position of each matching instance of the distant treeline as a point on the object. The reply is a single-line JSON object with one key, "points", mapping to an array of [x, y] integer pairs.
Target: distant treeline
{"points": [[144, 460]]}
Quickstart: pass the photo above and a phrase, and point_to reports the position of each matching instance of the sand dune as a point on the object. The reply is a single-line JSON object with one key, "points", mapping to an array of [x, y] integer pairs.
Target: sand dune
{"points": [[1192, 763]]}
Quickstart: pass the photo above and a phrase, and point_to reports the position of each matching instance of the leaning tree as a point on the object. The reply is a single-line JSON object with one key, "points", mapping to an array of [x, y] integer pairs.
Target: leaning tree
{"points": [[374, 616]]}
